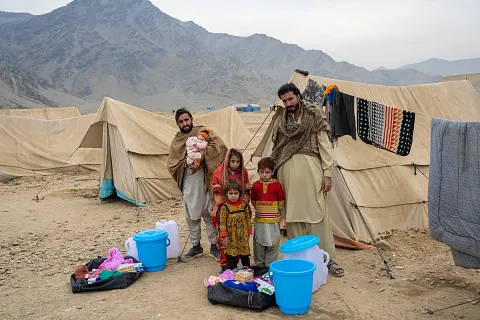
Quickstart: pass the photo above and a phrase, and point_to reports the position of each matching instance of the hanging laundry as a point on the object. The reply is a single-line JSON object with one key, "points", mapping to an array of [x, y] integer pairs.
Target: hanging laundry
{"points": [[329, 88], [385, 127], [313, 92], [453, 189], [342, 119], [329, 92]]}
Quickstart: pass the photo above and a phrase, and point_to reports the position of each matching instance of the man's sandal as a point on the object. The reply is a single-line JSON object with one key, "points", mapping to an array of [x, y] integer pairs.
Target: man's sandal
{"points": [[335, 270]]}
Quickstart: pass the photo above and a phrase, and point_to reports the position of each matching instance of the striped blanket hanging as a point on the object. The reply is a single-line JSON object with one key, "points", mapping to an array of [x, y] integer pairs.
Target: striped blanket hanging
{"points": [[385, 127]]}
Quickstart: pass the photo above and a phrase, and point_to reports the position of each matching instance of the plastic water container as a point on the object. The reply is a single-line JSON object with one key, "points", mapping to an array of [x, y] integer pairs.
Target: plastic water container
{"points": [[306, 248], [173, 250], [293, 281], [152, 249], [131, 248]]}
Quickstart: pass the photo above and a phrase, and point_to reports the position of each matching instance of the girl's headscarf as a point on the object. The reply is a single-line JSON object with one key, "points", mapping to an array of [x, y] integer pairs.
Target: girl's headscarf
{"points": [[220, 175]]}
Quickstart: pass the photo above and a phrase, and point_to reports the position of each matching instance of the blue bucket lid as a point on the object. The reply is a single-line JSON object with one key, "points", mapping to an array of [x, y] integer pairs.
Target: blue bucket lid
{"points": [[299, 243], [150, 235]]}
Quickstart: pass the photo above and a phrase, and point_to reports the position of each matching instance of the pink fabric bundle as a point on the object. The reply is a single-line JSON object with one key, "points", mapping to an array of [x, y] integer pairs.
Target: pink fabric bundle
{"points": [[227, 275], [114, 260]]}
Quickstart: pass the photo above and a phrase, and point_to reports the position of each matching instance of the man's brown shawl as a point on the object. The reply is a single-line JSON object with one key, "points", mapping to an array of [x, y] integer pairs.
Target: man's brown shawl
{"points": [[214, 155], [289, 137]]}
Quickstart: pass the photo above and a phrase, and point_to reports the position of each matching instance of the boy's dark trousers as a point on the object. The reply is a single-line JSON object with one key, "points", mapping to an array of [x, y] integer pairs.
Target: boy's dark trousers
{"points": [[232, 261]]}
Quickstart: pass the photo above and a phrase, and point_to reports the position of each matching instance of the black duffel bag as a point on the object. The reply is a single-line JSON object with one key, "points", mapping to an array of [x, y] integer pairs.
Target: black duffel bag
{"points": [[258, 301], [121, 282]]}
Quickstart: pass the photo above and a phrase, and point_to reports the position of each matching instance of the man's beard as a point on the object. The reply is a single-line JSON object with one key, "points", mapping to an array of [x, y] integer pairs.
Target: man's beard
{"points": [[297, 106], [190, 128]]}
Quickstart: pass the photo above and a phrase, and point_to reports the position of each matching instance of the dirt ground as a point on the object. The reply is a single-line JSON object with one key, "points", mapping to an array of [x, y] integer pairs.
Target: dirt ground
{"points": [[41, 243]]}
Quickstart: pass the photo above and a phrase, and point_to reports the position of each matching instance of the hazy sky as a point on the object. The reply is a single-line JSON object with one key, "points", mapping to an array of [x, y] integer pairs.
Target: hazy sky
{"points": [[368, 33]]}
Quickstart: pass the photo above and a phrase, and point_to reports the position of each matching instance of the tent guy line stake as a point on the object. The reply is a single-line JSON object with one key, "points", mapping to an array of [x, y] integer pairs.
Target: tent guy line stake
{"points": [[385, 262], [36, 198], [415, 168]]}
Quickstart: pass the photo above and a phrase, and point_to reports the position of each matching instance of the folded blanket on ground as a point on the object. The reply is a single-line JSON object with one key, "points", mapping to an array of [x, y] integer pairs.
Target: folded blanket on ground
{"points": [[454, 189]]}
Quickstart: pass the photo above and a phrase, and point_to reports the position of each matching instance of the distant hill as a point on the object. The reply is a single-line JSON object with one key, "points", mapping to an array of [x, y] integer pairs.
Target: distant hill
{"points": [[132, 51], [278, 60], [9, 17], [21, 90], [445, 67]]}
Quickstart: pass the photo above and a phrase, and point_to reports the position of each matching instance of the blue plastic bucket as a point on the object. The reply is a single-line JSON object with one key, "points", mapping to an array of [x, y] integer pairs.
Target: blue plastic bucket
{"points": [[152, 249], [293, 282]]}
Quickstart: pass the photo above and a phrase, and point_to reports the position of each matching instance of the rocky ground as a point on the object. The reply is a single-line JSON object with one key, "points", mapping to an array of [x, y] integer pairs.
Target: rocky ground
{"points": [[41, 243]]}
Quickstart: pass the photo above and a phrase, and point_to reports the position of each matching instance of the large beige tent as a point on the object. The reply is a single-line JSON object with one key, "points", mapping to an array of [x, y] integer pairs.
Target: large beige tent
{"points": [[384, 185], [473, 78], [135, 144], [45, 113], [35, 146]]}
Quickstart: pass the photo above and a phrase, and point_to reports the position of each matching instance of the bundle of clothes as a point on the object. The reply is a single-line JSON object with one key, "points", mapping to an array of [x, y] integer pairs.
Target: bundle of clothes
{"points": [[243, 279], [114, 266]]}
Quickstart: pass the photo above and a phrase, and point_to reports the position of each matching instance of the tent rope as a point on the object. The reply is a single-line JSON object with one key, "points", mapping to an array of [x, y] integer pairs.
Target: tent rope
{"points": [[452, 306], [385, 262], [49, 180], [253, 137]]}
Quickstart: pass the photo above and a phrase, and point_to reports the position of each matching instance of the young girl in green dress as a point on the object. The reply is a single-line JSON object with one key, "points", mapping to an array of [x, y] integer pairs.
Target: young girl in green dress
{"points": [[235, 226]]}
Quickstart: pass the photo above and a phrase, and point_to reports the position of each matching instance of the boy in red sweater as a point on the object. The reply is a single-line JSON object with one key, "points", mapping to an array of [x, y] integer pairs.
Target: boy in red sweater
{"points": [[268, 199]]}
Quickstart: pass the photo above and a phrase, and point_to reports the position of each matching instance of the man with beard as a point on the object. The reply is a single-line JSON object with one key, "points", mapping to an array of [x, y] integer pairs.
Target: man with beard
{"points": [[197, 198], [303, 157]]}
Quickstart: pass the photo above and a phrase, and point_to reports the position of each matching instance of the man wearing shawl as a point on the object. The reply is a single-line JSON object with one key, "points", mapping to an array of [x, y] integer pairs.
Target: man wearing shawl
{"points": [[195, 187], [303, 158]]}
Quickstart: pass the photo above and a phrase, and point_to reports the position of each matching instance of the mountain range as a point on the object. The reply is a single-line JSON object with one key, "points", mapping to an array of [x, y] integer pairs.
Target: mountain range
{"points": [[132, 51], [445, 67]]}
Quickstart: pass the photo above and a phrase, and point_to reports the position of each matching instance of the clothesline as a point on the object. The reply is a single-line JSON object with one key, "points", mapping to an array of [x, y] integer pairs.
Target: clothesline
{"points": [[421, 114], [381, 125]]}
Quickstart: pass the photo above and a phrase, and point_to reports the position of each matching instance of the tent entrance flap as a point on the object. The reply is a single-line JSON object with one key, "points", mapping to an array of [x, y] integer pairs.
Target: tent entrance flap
{"points": [[108, 189]]}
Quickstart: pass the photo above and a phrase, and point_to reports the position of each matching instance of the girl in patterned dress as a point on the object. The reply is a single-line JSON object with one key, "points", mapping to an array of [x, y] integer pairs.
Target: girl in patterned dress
{"points": [[235, 226], [231, 169]]}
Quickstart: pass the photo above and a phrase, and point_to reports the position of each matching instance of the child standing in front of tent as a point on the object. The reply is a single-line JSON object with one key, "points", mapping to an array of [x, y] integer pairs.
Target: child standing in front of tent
{"points": [[235, 226], [268, 199], [231, 169]]}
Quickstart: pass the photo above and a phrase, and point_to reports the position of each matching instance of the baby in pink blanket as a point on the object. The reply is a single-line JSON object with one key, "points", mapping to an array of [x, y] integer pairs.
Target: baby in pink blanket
{"points": [[195, 149]]}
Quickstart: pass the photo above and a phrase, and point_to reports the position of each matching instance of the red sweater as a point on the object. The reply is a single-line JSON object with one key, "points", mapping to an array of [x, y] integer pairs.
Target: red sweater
{"points": [[268, 199]]}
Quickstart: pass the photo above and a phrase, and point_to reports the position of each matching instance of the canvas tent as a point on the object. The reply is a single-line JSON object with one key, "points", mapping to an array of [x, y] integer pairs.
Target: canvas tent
{"points": [[44, 113], [35, 146], [135, 144], [384, 185], [473, 78]]}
